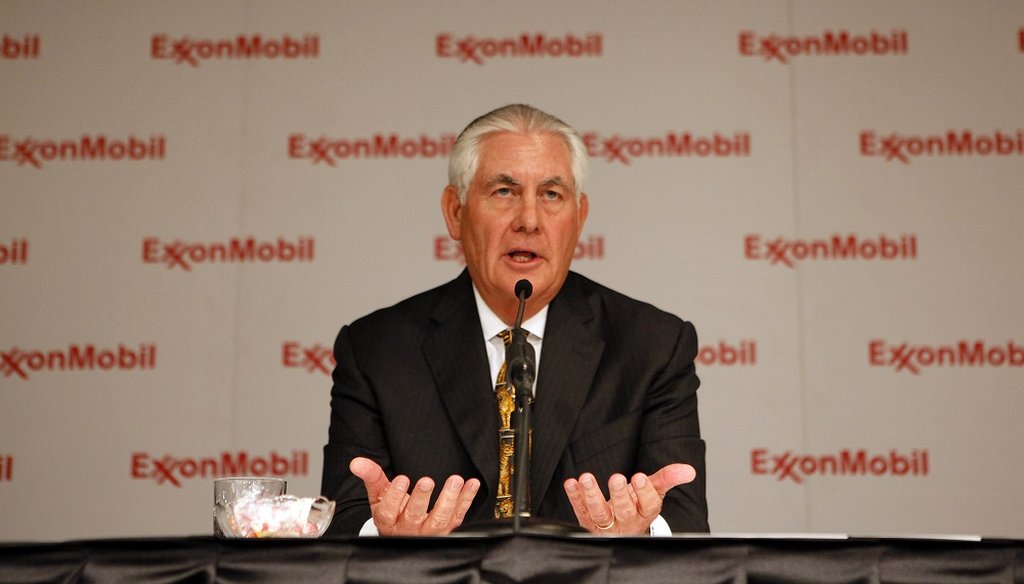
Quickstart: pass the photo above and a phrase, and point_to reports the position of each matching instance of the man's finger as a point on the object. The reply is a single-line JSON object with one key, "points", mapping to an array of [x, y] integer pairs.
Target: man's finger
{"points": [[574, 492], [441, 515], [672, 475], [389, 509], [452, 504], [623, 507], [373, 477], [648, 500], [597, 508], [464, 501], [415, 512]]}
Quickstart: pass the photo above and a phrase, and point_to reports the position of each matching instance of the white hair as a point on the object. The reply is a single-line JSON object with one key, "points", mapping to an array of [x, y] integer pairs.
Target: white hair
{"points": [[518, 118]]}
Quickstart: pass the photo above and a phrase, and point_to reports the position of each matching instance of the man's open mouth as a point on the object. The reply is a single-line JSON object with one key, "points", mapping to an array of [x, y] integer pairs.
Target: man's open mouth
{"points": [[520, 255]]}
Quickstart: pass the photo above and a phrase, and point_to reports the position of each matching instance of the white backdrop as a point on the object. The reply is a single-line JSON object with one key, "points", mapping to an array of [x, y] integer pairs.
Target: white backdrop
{"points": [[830, 191]]}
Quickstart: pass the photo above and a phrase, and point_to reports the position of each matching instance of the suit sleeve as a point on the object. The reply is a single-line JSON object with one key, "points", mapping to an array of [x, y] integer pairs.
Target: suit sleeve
{"points": [[670, 433], [355, 430]]}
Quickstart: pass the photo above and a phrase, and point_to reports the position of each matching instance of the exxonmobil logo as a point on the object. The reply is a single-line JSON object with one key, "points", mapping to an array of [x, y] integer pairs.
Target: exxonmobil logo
{"points": [[21, 363], [726, 354], [470, 49], [685, 144], [829, 43], [590, 247], [6, 468], [174, 470], [184, 255], [191, 51], [314, 358], [330, 151], [15, 252], [24, 47], [896, 147], [788, 252], [797, 467], [34, 152], [913, 358]]}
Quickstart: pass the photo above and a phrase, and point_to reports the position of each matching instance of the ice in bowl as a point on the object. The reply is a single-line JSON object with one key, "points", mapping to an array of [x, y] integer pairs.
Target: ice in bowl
{"points": [[281, 516]]}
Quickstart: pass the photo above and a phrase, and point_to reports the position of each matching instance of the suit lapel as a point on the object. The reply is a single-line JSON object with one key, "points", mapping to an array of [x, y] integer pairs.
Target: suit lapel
{"points": [[455, 353], [570, 355]]}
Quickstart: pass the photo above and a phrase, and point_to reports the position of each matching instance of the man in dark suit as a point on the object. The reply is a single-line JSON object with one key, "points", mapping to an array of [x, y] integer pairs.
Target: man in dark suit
{"points": [[414, 389]]}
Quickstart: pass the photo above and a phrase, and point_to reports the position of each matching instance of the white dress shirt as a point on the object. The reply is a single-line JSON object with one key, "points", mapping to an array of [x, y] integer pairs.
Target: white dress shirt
{"points": [[491, 326]]}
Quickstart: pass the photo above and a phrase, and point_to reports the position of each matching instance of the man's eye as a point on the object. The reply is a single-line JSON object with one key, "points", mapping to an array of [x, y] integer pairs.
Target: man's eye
{"points": [[552, 195], [503, 192]]}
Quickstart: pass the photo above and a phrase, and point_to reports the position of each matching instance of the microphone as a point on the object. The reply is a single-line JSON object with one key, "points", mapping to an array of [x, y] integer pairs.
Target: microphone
{"points": [[520, 355], [522, 364], [524, 289]]}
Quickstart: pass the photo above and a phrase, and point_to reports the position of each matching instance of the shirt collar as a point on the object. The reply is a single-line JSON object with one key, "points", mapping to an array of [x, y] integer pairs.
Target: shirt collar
{"points": [[492, 325]]}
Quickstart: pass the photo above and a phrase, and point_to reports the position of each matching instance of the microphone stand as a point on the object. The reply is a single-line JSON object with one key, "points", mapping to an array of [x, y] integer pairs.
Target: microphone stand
{"points": [[521, 359]]}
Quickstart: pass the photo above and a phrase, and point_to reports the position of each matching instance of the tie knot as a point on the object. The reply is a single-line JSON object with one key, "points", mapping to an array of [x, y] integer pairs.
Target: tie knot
{"points": [[506, 336]]}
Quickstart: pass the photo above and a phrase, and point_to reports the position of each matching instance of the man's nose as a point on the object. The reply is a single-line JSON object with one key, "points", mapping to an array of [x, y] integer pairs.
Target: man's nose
{"points": [[527, 218]]}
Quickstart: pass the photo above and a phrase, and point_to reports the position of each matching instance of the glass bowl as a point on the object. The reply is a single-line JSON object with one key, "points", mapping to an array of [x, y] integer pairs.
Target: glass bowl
{"points": [[281, 516]]}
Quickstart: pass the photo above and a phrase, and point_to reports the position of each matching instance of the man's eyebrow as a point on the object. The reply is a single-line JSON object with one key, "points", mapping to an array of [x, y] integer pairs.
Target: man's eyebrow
{"points": [[502, 179], [555, 181]]}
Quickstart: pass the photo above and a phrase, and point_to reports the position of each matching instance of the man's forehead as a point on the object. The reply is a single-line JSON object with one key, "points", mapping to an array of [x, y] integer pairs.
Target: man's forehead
{"points": [[494, 168], [488, 142]]}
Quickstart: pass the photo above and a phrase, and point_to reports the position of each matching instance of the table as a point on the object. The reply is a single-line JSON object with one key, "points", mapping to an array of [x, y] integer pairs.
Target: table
{"points": [[517, 558]]}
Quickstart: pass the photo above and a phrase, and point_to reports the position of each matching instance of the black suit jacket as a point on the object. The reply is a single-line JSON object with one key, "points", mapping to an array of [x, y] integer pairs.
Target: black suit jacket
{"points": [[616, 392]]}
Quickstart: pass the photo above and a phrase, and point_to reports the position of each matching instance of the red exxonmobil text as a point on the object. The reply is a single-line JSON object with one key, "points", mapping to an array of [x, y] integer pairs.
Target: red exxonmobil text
{"points": [[23, 47], [21, 363], [471, 49], [174, 470], [914, 358], [16, 252], [34, 152], [185, 255], [728, 354], [829, 43], [683, 144], [312, 358], [330, 151], [903, 147], [6, 468], [191, 51], [796, 467], [787, 252]]}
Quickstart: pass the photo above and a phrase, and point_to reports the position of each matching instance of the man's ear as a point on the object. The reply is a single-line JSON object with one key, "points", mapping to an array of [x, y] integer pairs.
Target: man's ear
{"points": [[451, 208], [584, 209]]}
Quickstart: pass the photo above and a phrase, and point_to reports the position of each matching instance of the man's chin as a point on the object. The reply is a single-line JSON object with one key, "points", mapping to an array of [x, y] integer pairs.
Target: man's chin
{"points": [[533, 274]]}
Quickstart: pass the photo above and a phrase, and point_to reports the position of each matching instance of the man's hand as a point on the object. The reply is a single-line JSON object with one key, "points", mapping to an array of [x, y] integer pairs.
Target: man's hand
{"points": [[632, 506], [398, 512]]}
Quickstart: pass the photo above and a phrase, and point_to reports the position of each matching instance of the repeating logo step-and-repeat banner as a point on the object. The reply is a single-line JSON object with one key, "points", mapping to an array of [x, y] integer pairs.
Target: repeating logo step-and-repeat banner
{"points": [[195, 197]]}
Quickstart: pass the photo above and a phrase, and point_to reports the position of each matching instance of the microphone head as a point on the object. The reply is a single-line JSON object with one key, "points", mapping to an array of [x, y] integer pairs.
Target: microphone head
{"points": [[524, 289]]}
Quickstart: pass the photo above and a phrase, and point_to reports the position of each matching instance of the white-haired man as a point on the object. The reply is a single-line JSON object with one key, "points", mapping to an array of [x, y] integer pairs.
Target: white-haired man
{"points": [[414, 389]]}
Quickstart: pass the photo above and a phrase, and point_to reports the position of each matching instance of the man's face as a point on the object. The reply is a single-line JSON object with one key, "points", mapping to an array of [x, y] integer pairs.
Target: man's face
{"points": [[521, 219]]}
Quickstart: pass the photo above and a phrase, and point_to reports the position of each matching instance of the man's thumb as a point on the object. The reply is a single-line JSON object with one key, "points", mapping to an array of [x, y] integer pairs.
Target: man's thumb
{"points": [[372, 474], [672, 475]]}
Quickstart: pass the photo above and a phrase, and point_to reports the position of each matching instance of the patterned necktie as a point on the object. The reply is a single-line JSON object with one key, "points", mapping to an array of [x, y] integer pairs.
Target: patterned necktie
{"points": [[505, 393]]}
